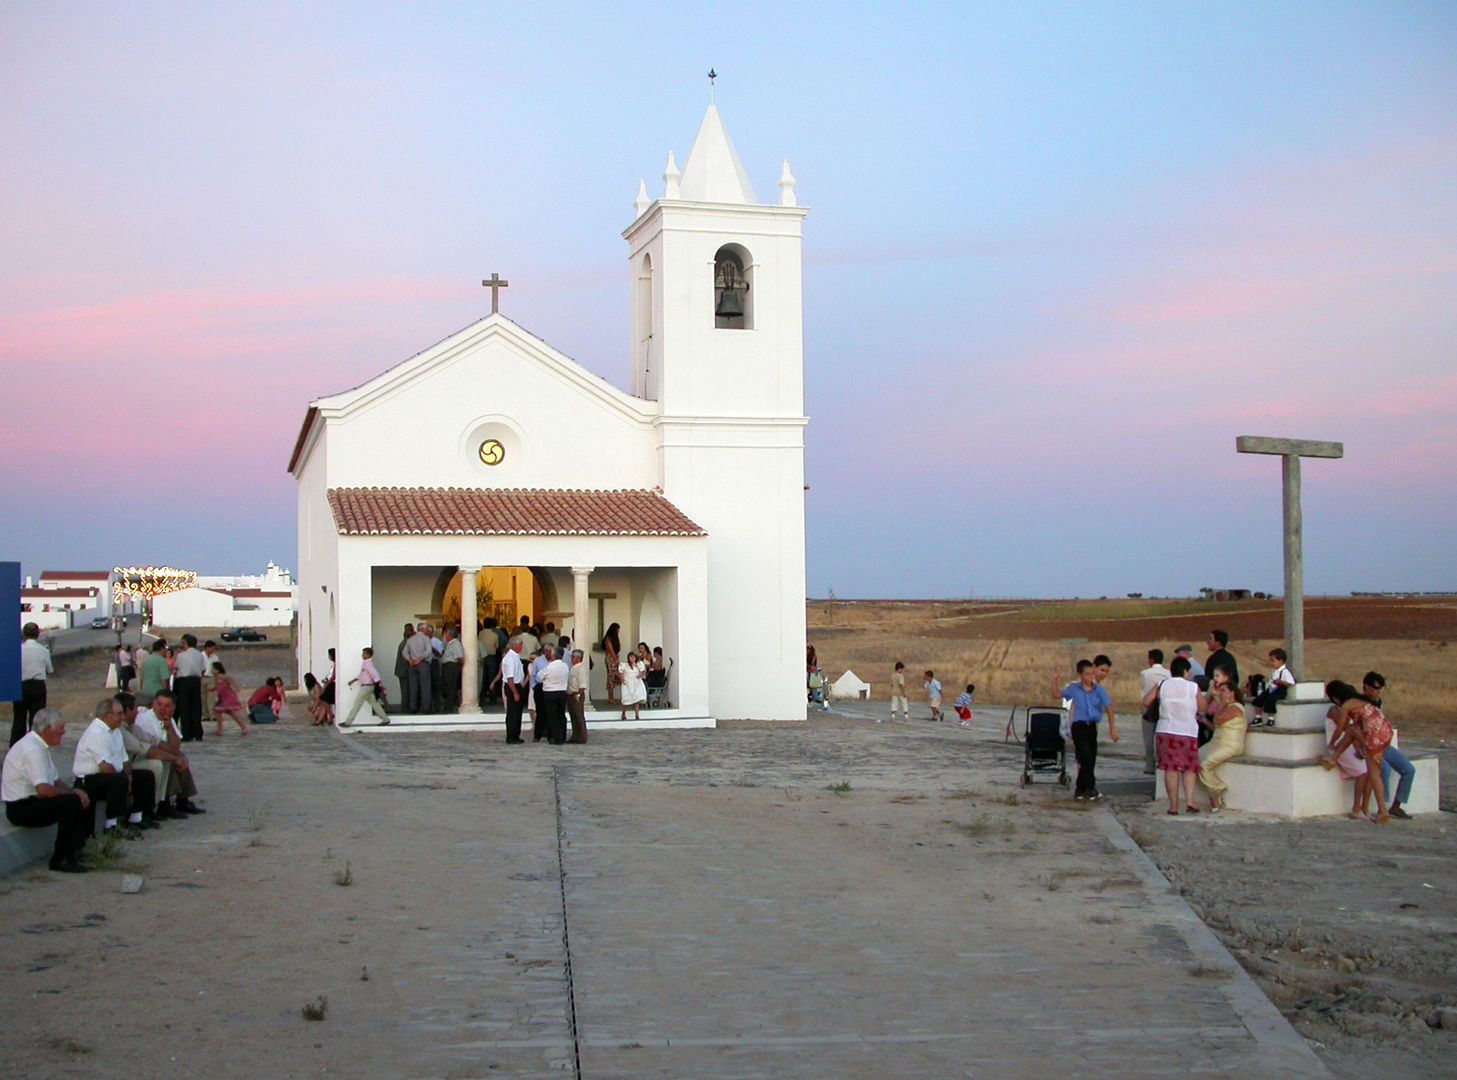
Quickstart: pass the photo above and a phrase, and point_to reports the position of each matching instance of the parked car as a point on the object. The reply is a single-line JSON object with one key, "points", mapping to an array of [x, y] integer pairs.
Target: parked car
{"points": [[101, 622], [244, 633]]}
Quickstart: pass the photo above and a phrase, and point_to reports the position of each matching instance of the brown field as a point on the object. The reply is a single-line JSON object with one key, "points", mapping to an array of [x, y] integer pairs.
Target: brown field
{"points": [[1012, 650]]}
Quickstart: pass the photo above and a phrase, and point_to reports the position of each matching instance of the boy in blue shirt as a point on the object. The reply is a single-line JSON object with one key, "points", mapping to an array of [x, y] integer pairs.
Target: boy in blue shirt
{"points": [[933, 695], [1090, 703]]}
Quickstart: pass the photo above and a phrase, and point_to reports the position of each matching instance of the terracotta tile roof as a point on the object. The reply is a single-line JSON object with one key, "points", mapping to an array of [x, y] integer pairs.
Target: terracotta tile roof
{"points": [[75, 575], [377, 511]]}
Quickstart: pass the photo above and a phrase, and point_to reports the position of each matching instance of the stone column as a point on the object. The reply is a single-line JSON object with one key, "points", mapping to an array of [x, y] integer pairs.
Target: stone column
{"points": [[581, 612], [470, 670]]}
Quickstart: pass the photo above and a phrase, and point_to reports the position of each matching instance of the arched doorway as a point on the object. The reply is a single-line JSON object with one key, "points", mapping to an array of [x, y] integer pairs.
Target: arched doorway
{"points": [[504, 593]]}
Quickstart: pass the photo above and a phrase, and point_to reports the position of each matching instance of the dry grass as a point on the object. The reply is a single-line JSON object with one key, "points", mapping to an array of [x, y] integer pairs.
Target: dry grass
{"points": [[953, 640]]}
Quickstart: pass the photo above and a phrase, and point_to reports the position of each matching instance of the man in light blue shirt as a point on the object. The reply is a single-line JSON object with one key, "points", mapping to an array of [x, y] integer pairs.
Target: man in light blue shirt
{"points": [[1090, 702]]}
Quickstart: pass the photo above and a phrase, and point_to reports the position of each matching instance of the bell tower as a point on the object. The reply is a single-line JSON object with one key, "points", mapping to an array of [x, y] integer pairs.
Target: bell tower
{"points": [[717, 342], [717, 297]]}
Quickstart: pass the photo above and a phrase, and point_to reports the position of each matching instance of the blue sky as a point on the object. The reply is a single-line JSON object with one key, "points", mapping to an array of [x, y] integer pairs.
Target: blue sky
{"points": [[1059, 256]]}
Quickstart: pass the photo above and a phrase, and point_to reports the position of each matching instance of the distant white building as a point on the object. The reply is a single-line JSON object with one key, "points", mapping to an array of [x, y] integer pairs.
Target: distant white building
{"points": [[258, 600], [61, 599]]}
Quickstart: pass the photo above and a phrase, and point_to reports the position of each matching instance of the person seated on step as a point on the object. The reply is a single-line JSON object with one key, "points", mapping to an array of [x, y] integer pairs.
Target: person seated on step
{"points": [[1274, 692], [266, 704], [35, 796], [1373, 685], [103, 770], [161, 739]]}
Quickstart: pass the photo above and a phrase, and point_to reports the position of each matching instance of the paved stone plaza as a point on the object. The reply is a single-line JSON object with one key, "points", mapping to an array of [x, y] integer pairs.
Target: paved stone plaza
{"points": [[837, 899]]}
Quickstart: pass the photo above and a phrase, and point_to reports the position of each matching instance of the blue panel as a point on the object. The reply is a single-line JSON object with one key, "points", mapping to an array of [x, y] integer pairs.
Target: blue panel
{"points": [[9, 631]]}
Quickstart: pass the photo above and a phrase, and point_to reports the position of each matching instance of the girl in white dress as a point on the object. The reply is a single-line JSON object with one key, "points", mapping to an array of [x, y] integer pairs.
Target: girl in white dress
{"points": [[634, 690]]}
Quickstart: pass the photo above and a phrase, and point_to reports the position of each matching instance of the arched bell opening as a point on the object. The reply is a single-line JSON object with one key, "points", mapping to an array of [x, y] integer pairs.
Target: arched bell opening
{"points": [[733, 294]]}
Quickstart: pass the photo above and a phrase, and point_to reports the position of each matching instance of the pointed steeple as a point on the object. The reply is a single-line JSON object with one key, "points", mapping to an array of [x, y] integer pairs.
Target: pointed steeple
{"points": [[714, 172]]}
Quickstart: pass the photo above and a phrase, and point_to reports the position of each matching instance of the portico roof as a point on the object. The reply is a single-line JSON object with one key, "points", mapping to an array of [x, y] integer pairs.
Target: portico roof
{"points": [[396, 511]]}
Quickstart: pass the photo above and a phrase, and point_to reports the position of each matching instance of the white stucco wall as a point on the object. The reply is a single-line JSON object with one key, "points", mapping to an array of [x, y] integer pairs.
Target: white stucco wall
{"points": [[562, 427], [208, 607]]}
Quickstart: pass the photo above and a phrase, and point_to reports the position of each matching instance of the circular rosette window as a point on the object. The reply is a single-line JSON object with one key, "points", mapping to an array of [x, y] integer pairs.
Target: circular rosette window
{"points": [[494, 448]]}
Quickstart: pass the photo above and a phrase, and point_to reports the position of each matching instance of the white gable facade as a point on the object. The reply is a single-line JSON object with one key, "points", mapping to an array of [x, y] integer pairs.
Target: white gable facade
{"points": [[676, 511]]}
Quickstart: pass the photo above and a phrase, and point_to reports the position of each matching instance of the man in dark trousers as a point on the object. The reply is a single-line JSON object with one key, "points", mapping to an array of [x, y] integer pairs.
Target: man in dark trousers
{"points": [[35, 796], [35, 665], [402, 669], [513, 690], [187, 675]]}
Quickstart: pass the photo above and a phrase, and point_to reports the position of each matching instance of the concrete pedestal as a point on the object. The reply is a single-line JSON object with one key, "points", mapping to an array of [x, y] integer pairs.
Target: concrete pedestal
{"points": [[1279, 772]]}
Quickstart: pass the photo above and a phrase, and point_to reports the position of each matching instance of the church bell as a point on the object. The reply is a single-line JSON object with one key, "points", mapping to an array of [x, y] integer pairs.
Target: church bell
{"points": [[730, 303]]}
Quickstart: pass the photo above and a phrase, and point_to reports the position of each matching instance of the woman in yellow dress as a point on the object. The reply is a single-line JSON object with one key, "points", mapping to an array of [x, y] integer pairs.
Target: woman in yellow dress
{"points": [[1230, 724]]}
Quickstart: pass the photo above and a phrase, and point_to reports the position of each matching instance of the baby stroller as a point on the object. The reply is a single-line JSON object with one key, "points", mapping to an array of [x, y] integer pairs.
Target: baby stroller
{"points": [[1046, 748], [817, 684], [657, 687]]}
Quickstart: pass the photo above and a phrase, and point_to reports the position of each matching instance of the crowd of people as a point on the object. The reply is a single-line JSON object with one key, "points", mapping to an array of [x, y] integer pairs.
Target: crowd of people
{"points": [[1195, 720], [204, 691], [533, 672], [129, 761]]}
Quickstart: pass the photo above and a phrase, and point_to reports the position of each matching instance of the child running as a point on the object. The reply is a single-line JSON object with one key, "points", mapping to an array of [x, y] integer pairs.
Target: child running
{"points": [[228, 703], [963, 705], [933, 695]]}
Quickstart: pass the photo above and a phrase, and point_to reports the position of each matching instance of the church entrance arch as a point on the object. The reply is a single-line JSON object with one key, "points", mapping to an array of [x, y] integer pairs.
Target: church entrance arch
{"points": [[504, 593]]}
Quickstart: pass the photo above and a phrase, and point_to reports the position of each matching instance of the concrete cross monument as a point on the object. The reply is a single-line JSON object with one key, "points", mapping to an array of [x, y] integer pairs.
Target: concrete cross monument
{"points": [[1291, 451]]}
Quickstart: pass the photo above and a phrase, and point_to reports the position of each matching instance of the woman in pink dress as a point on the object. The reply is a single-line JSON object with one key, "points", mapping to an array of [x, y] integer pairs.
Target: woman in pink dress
{"points": [[1359, 723], [228, 701]]}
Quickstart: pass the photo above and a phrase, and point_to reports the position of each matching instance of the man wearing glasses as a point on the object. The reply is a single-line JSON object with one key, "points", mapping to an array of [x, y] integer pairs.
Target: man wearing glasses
{"points": [[103, 770]]}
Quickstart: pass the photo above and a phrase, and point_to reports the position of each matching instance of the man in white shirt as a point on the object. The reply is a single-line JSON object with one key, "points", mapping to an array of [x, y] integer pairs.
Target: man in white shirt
{"points": [[530, 643], [1148, 678], [35, 665], [577, 697], [34, 795], [187, 685], [553, 697], [155, 738], [452, 656], [513, 690], [102, 770]]}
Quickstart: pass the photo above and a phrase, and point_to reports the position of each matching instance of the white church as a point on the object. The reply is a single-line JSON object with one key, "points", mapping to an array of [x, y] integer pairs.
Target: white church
{"points": [[441, 486]]}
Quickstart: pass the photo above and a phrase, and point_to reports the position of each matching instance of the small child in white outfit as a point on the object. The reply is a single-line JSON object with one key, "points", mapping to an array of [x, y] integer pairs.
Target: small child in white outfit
{"points": [[899, 703]]}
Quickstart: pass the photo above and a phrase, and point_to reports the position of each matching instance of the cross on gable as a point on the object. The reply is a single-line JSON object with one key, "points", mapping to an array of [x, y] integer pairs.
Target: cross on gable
{"points": [[495, 284]]}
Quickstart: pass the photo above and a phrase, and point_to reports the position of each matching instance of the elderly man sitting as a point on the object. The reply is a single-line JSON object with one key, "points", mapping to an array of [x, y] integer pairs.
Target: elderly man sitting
{"points": [[154, 742], [103, 771], [35, 796]]}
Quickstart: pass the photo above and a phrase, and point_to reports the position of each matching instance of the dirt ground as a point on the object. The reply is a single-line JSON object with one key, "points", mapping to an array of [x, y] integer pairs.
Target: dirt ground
{"points": [[1350, 929]]}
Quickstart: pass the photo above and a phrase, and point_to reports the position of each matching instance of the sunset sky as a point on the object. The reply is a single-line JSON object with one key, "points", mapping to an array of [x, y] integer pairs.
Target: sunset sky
{"points": [[1058, 257]]}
